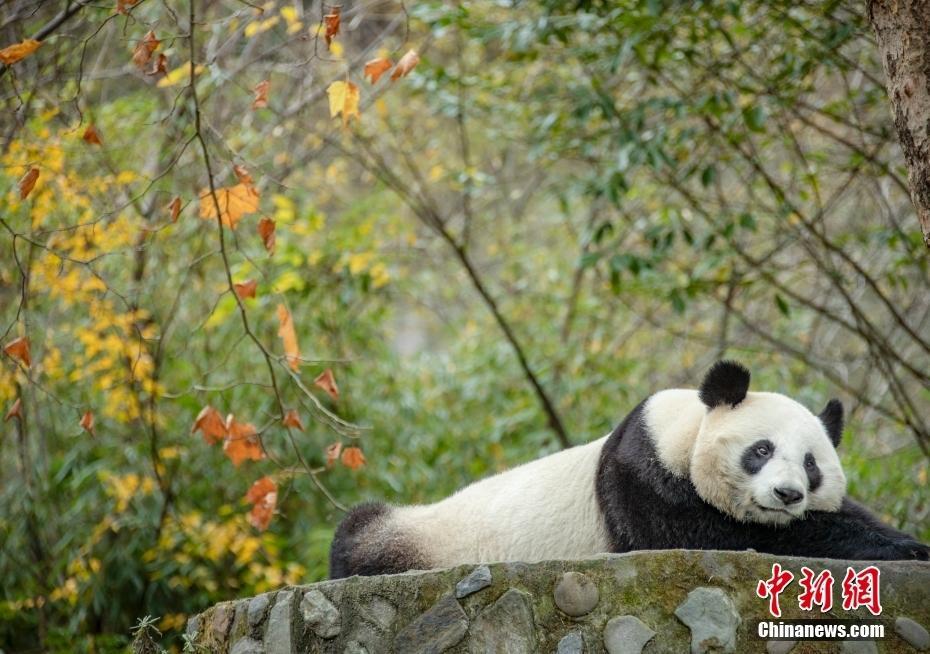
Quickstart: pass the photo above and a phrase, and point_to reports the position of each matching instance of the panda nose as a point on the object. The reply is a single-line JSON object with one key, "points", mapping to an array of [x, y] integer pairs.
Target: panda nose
{"points": [[789, 496]]}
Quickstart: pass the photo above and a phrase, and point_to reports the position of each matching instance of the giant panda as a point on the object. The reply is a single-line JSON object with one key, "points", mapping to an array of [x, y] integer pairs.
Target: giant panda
{"points": [[715, 468]]}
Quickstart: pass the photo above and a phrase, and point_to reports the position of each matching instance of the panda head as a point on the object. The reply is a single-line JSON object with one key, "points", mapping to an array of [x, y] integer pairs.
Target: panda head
{"points": [[762, 457]]}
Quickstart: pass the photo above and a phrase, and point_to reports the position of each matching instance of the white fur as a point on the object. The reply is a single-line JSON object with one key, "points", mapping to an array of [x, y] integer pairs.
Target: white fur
{"points": [[708, 446], [545, 509], [674, 417]]}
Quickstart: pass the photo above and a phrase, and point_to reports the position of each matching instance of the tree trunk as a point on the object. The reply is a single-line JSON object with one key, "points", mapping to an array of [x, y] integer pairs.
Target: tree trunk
{"points": [[903, 31]]}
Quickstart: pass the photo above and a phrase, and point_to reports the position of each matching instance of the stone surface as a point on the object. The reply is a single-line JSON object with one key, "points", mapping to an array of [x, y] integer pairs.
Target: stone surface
{"points": [[626, 634], [479, 578], [913, 632], [247, 646], [575, 594], [257, 607], [278, 633], [712, 618], [320, 615], [572, 643], [222, 618], [859, 647], [780, 646], [505, 626], [440, 628], [374, 611], [193, 627], [717, 569], [380, 613], [355, 647]]}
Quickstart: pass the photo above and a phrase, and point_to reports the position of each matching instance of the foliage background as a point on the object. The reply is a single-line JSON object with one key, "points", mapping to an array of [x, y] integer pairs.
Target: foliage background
{"points": [[620, 192]]}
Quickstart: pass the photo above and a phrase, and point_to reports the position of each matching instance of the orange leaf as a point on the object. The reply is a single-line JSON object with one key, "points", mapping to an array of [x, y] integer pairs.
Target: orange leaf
{"points": [[407, 63], [288, 337], [13, 53], [331, 23], [211, 425], [332, 453], [87, 422], [327, 382], [18, 348], [235, 202], [243, 175], [159, 66], [144, 49], [123, 5], [242, 442], [261, 94], [16, 411], [353, 458], [292, 419], [263, 495], [174, 207], [92, 136], [245, 289], [375, 68], [28, 182], [266, 231]]}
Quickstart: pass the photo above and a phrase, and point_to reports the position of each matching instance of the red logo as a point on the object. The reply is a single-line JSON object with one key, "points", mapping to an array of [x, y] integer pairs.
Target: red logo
{"points": [[859, 589], [817, 590], [772, 588]]}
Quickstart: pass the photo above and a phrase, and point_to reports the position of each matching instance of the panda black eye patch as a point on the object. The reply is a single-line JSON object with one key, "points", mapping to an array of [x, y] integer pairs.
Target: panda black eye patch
{"points": [[814, 476], [757, 455]]}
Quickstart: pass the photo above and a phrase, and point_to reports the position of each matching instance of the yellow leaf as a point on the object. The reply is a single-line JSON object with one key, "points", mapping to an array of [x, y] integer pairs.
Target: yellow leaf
{"points": [[178, 75], [234, 201], [13, 53], [292, 20], [343, 99]]}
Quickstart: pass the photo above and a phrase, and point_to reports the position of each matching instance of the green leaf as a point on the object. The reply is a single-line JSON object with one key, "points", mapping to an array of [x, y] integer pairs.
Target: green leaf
{"points": [[708, 175], [755, 117], [782, 305]]}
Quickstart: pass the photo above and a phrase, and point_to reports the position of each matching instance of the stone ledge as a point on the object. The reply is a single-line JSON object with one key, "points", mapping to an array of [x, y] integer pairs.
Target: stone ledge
{"points": [[664, 601]]}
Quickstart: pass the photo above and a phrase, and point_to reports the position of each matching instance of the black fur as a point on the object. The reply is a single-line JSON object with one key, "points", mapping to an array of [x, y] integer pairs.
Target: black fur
{"points": [[725, 383], [358, 549], [647, 507], [753, 460], [832, 419], [814, 476]]}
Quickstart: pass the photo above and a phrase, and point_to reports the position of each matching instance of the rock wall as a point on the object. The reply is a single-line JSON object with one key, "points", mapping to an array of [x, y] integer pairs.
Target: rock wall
{"points": [[651, 602]]}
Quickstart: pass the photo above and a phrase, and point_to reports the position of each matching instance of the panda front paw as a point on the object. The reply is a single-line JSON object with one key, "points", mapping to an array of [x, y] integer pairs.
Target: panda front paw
{"points": [[903, 549]]}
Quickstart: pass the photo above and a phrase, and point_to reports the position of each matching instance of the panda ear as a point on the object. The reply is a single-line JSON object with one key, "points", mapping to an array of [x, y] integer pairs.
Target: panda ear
{"points": [[832, 419], [725, 383]]}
